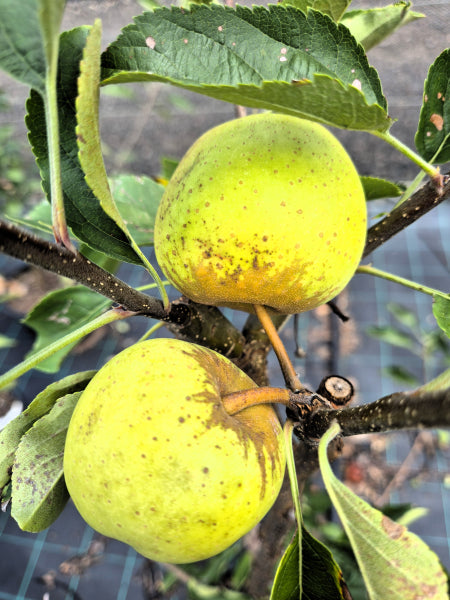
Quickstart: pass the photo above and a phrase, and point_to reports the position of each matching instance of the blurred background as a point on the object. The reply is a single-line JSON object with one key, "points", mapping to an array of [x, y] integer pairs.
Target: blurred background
{"points": [[391, 341]]}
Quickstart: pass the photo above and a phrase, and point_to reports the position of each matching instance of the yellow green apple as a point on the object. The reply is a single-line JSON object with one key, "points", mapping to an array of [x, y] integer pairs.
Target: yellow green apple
{"points": [[153, 458], [267, 209]]}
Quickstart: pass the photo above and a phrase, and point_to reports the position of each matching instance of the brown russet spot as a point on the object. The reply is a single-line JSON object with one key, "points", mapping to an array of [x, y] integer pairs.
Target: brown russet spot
{"points": [[437, 121], [393, 529]]}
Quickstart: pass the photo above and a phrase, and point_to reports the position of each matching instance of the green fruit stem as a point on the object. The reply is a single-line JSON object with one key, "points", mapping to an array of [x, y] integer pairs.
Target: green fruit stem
{"points": [[243, 399], [402, 281], [70, 338], [290, 376]]}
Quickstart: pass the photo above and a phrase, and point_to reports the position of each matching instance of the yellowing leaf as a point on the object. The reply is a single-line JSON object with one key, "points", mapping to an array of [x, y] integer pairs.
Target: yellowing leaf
{"points": [[89, 142], [394, 562]]}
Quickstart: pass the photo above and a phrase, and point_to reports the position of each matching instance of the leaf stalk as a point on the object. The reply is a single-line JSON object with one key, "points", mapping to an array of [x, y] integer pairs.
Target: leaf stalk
{"points": [[70, 338], [60, 229], [402, 281], [429, 169]]}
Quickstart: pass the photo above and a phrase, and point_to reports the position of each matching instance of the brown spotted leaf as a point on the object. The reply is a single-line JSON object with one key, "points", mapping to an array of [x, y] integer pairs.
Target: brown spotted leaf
{"points": [[433, 132], [39, 492], [10, 436], [394, 562]]}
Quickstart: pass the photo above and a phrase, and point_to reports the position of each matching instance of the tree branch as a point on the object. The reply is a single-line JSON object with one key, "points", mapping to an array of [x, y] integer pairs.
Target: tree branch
{"points": [[401, 410], [202, 324], [421, 202], [26, 246]]}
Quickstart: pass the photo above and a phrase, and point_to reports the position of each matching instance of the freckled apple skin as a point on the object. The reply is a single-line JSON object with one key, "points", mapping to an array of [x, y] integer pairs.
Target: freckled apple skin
{"points": [[267, 209], [153, 459]]}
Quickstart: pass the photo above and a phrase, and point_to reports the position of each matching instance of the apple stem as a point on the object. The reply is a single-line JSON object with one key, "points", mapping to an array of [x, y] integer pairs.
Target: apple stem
{"points": [[237, 401], [290, 376]]}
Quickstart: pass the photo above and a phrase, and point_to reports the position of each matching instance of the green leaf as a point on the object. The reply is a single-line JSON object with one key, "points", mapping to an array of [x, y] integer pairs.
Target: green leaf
{"points": [[50, 14], [404, 315], [373, 25], [394, 562], [6, 342], [59, 313], [286, 582], [200, 591], [89, 142], [333, 8], [441, 311], [137, 199], [376, 188], [275, 58], [21, 48], [10, 436], [87, 130], [400, 374], [168, 166], [38, 218], [83, 211], [391, 335], [39, 492], [322, 577], [433, 133]]}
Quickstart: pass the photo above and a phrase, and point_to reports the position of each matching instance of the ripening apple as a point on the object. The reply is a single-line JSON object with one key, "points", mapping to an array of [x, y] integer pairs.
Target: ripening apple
{"points": [[267, 209], [153, 458]]}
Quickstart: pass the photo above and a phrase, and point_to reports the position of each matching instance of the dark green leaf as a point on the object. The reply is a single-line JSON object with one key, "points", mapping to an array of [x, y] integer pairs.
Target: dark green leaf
{"points": [[168, 167], [21, 48], [441, 311], [400, 374], [241, 570], [394, 562], [322, 577], [214, 569], [333, 8], [286, 585], [371, 26], [39, 492], [59, 313], [83, 211], [391, 335], [137, 199], [276, 58], [434, 122], [375, 188], [10, 436]]}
